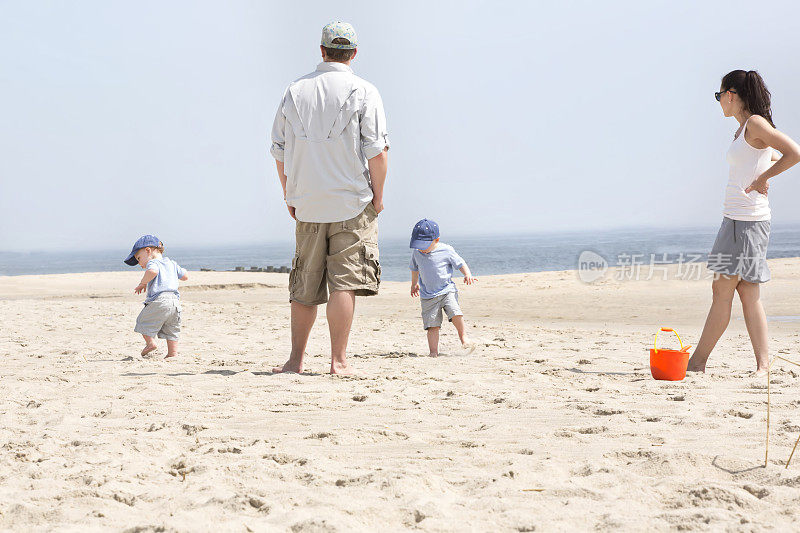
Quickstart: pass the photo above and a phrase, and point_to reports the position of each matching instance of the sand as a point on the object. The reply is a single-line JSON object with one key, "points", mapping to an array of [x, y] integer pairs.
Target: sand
{"points": [[553, 424]]}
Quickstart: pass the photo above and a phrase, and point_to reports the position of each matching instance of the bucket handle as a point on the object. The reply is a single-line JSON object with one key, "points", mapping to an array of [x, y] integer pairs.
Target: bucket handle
{"points": [[655, 343]]}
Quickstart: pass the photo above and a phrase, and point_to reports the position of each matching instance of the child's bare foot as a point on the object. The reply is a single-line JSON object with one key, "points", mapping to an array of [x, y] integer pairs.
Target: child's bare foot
{"points": [[148, 348], [341, 369], [469, 346], [171, 355], [433, 354]]}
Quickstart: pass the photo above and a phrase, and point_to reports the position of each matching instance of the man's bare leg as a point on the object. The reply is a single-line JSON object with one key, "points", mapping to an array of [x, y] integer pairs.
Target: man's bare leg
{"points": [[756, 321], [172, 349], [717, 321], [458, 322], [433, 341], [303, 317], [150, 345], [341, 306]]}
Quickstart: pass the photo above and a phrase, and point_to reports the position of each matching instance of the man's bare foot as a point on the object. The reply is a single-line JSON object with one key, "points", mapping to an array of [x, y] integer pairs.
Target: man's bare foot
{"points": [[148, 348], [288, 366], [341, 369]]}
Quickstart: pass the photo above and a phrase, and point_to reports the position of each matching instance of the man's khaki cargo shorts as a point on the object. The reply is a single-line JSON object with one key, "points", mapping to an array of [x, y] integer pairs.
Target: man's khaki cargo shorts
{"points": [[335, 256]]}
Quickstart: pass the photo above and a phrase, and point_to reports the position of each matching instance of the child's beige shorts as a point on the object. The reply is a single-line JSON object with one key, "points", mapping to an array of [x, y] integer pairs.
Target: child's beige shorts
{"points": [[161, 317], [335, 256]]}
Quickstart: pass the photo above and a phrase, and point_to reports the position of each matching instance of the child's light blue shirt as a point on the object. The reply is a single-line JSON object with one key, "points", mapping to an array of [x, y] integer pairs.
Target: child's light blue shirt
{"points": [[169, 272], [436, 270]]}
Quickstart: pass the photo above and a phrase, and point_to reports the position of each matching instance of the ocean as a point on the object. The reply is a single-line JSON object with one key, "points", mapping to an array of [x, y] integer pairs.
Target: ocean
{"points": [[502, 254]]}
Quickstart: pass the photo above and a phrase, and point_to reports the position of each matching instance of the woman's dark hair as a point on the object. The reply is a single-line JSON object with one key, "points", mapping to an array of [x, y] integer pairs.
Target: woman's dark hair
{"points": [[750, 87]]}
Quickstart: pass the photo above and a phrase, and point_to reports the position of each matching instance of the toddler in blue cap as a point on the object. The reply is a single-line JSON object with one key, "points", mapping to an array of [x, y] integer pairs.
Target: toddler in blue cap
{"points": [[161, 316], [432, 265]]}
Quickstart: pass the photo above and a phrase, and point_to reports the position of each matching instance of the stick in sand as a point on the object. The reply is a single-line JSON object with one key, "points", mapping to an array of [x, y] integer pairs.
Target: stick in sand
{"points": [[766, 451], [793, 449]]}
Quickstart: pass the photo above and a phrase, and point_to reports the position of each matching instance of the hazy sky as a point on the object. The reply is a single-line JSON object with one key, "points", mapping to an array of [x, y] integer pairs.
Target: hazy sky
{"points": [[124, 118]]}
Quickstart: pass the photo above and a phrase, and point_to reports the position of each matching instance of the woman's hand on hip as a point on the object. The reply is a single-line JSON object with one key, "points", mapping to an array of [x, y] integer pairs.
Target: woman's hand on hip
{"points": [[760, 185]]}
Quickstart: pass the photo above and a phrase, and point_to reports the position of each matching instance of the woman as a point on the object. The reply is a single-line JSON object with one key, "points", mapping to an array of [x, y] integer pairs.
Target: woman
{"points": [[739, 254]]}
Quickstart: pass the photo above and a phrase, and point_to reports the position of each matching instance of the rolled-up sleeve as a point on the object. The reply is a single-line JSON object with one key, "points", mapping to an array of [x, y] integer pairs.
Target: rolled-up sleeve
{"points": [[374, 135], [279, 133]]}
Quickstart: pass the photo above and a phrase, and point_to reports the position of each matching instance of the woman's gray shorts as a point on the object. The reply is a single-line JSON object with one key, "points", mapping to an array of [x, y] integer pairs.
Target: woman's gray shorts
{"points": [[161, 317], [432, 309], [741, 250]]}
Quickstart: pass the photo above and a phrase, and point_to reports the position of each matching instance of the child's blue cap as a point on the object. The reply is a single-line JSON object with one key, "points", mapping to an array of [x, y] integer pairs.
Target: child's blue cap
{"points": [[424, 233], [143, 242]]}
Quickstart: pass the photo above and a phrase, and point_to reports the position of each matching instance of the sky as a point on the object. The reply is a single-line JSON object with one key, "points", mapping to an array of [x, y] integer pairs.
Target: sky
{"points": [[124, 118]]}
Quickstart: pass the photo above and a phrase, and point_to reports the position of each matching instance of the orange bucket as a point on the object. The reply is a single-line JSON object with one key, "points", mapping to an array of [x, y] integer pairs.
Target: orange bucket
{"points": [[669, 365]]}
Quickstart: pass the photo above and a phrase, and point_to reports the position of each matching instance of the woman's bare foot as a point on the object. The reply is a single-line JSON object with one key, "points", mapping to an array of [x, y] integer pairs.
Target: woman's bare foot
{"points": [[341, 369], [696, 366], [148, 348]]}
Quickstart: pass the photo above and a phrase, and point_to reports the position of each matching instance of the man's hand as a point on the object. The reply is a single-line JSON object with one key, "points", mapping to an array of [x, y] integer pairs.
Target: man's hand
{"points": [[469, 280], [291, 210], [377, 203], [760, 185], [378, 167], [415, 290], [139, 288]]}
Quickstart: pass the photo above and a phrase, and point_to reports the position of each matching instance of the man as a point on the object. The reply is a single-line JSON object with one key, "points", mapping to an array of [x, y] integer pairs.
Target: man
{"points": [[330, 141]]}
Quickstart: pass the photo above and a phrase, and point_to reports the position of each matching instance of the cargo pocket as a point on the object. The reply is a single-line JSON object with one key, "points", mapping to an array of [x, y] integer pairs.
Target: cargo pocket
{"points": [[372, 265], [293, 272]]}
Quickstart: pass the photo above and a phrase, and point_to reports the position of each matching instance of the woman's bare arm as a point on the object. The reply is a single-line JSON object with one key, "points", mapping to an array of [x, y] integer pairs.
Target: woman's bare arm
{"points": [[760, 129]]}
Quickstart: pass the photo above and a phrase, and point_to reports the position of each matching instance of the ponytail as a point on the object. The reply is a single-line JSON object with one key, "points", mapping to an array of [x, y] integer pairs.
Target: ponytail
{"points": [[750, 87]]}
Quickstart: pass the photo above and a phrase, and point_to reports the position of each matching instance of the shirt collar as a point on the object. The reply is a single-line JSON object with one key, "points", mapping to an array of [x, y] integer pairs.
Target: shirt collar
{"points": [[331, 66]]}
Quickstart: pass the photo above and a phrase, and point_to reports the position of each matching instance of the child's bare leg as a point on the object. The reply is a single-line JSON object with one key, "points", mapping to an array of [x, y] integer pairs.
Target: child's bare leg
{"points": [[150, 345], [172, 349], [458, 322], [433, 341]]}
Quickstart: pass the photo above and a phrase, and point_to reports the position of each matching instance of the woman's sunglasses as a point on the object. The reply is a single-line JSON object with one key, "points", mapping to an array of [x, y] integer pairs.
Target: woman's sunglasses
{"points": [[719, 95]]}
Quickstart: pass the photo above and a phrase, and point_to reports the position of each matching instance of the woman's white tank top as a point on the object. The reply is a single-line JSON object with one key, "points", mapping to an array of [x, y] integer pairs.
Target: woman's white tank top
{"points": [[746, 164]]}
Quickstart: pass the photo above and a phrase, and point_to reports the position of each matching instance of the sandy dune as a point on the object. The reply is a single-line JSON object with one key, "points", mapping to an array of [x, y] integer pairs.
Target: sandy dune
{"points": [[553, 424]]}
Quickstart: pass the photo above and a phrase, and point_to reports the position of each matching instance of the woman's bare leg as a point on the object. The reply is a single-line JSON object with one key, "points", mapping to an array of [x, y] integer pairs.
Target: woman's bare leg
{"points": [[756, 321], [717, 321]]}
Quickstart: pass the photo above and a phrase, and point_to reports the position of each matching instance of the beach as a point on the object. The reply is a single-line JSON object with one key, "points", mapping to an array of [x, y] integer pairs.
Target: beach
{"points": [[553, 424]]}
